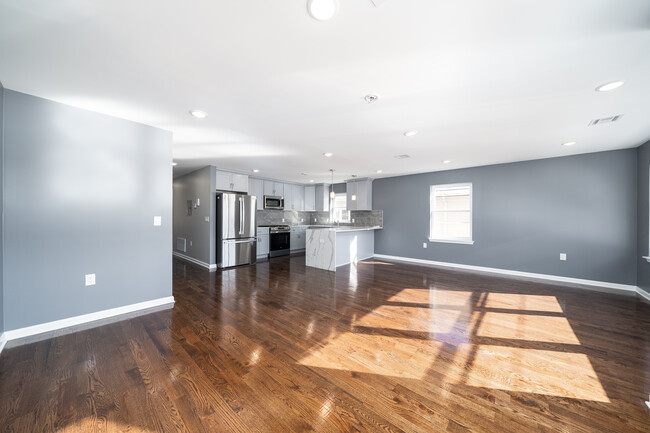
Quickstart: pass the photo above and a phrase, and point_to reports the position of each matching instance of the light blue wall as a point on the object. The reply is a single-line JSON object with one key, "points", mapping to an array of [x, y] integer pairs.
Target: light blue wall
{"points": [[643, 217], [194, 228], [525, 215], [80, 194]]}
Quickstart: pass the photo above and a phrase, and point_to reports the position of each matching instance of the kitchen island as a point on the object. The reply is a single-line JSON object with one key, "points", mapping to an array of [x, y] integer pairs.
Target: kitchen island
{"points": [[330, 247]]}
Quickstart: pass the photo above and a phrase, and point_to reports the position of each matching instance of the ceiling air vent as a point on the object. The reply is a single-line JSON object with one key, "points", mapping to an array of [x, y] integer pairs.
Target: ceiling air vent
{"points": [[604, 120], [405, 156]]}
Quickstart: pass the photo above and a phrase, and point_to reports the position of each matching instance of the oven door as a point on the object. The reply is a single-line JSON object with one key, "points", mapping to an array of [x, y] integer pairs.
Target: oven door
{"points": [[279, 243]]}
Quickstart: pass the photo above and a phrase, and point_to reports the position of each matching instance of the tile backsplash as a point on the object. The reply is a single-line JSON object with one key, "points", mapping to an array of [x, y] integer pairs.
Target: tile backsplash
{"points": [[362, 218]]}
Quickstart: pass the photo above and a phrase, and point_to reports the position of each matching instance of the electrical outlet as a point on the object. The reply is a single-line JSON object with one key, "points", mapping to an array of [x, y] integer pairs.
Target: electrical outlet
{"points": [[302, 219], [315, 220], [282, 219], [563, 256], [424, 244], [190, 243], [352, 220], [157, 221], [90, 279], [207, 219]]}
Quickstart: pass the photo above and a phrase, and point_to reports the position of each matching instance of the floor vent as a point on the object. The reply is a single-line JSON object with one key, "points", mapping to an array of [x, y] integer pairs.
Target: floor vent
{"points": [[181, 244], [604, 120]]}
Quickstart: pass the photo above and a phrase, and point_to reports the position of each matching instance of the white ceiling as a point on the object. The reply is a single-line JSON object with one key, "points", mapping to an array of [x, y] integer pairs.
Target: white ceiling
{"points": [[483, 81]]}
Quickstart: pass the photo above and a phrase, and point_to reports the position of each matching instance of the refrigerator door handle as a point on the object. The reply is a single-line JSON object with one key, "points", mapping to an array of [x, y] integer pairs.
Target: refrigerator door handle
{"points": [[244, 241], [241, 216]]}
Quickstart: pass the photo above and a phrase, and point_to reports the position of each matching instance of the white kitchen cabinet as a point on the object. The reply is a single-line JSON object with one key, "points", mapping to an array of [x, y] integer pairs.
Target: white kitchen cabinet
{"points": [[322, 197], [361, 190], [297, 238], [256, 188], [273, 188], [227, 181], [263, 243], [294, 197], [298, 197], [288, 196], [310, 198]]}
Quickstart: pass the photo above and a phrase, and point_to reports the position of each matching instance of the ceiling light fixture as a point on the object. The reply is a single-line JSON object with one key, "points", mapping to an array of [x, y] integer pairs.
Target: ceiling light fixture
{"points": [[371, 98], [255, 170], [410, 133], [327, 154], [332, 193], [311, 180], [199, 114], [322, 10], [446, 161], [379, 171], [569, 143], [610, 86]]}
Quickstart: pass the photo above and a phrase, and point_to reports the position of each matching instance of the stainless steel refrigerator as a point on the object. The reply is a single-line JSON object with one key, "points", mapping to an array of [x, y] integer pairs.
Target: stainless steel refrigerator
{"points": [[236, 230]]}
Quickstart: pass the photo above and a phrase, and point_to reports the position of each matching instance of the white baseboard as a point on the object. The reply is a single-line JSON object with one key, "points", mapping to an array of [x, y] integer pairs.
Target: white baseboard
{"points": [[3, 341], [195, 261], [615, 286], [80, 320], [643, 294]]}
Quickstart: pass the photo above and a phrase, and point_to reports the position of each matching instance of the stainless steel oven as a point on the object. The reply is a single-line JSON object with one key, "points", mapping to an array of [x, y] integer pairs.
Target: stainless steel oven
{"points": [[279, 240], [273, 202]]}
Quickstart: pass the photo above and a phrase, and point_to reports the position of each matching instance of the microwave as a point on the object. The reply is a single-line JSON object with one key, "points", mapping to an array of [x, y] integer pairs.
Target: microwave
{"points": [[273, 202]]}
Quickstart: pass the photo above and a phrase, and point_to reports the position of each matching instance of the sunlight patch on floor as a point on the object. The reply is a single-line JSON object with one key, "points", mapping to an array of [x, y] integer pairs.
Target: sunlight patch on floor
{"points": [[387, 356], [515, 301], [560, 374], [415, 319], [549, 329], [433, 297]]}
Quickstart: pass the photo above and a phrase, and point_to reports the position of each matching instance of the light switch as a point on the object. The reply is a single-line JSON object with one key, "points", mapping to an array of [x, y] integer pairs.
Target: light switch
{"points": [[90, 279], [207, 219], [563, 256], [157, 221]]}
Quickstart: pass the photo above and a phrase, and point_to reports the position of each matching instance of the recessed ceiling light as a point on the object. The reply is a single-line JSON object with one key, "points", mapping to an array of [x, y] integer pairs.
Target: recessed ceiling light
{"points": [[410, 133], [199, 114], [327, 154], [322, 10], [610, 86], [255, 170], [311, 180], [446, 161], [379, 171], [371, 98], [569, 143], [174, 164]]}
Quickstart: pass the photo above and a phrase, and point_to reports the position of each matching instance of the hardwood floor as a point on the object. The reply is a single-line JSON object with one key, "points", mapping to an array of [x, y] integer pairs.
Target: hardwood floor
{"points": [[279, 347]]}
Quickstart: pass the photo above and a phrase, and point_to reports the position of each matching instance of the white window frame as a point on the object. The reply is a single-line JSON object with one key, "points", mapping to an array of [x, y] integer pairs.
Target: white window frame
{"points": [[344, 216], [452, 240]]}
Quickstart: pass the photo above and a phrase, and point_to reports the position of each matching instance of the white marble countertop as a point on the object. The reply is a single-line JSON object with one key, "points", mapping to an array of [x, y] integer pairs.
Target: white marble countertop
{"points": [[345, 228]]}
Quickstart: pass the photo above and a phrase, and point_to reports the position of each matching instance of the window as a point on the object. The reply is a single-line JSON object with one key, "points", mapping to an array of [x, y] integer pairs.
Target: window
{"points": [[339, 206], [451, 213]]}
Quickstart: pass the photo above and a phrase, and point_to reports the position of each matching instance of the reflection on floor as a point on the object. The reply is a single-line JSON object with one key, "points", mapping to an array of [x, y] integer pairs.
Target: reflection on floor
{"points": [[378, 346]]}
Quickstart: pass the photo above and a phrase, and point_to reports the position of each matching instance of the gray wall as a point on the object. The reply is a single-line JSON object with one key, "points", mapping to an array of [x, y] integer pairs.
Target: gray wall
{"points": [[525, 215], [2, 317], [199, 184], [340, 188], [643, 219], [80, 193]]}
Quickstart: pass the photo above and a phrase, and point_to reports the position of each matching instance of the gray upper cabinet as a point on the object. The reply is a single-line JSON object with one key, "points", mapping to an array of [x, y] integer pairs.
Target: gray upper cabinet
{"points": [[256, 188], [310, 197], [273, 188], [227, 181], [359, 194]]}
